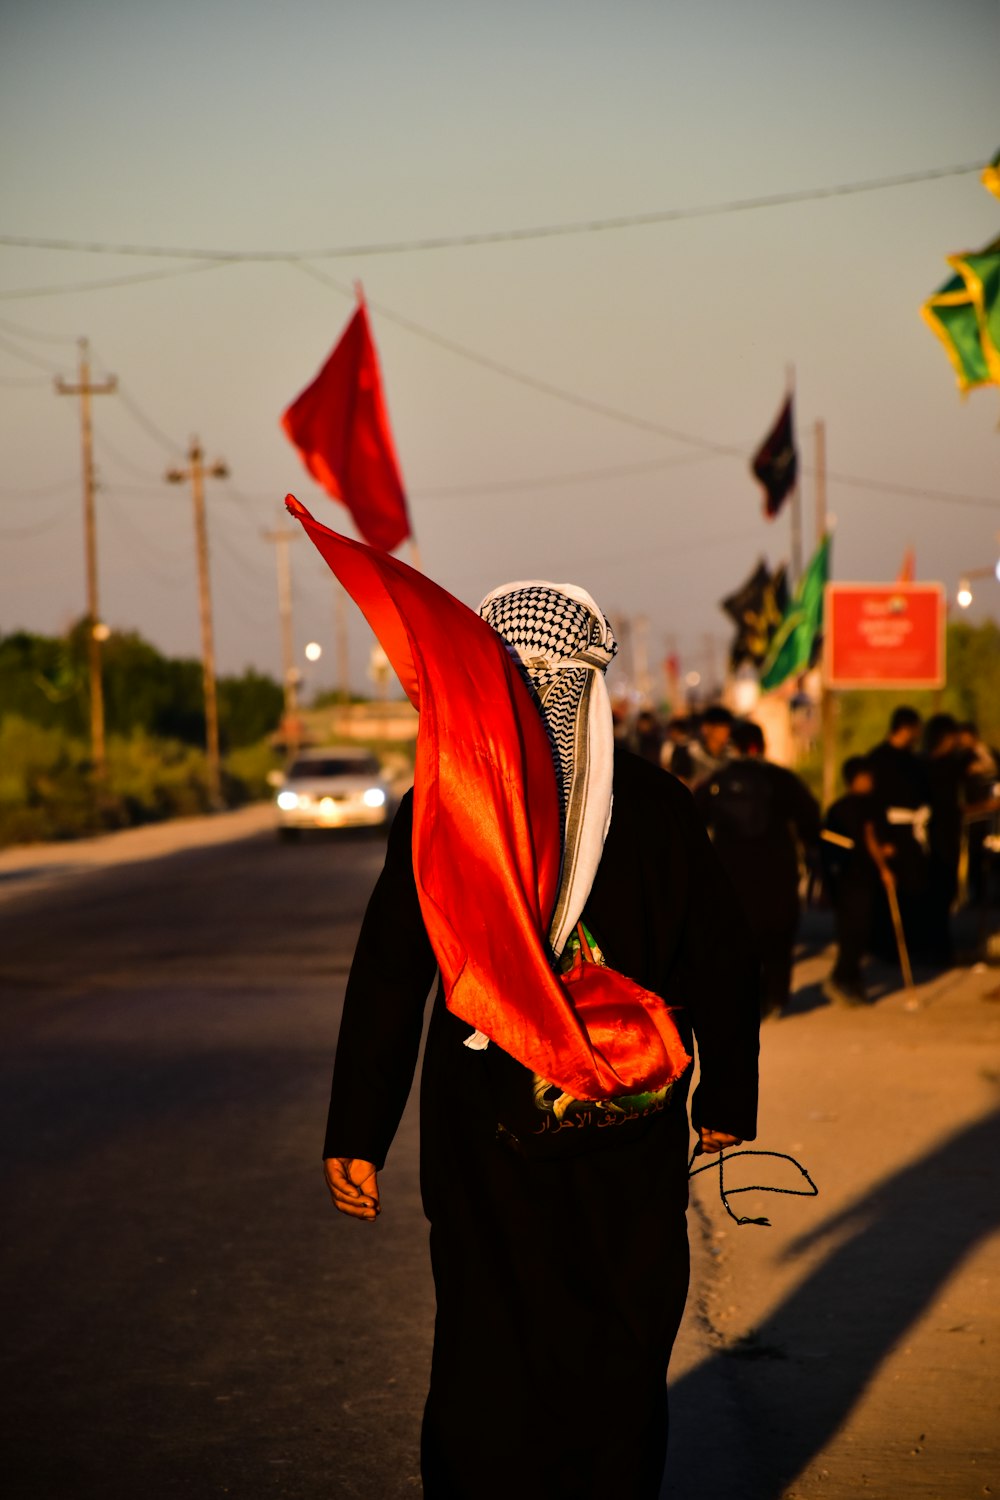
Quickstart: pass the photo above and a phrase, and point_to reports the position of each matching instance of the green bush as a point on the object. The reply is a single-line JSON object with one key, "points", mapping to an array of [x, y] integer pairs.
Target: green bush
{"points": [[47, 790]]}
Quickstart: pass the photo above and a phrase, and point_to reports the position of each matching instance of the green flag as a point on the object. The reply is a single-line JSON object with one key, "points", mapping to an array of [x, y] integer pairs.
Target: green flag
{"points": [[793, 641], [965, 315]]}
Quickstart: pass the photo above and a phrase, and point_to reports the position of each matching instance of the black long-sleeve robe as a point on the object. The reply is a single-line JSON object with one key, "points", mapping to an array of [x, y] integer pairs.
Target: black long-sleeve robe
{"points": [[560, 1282]]}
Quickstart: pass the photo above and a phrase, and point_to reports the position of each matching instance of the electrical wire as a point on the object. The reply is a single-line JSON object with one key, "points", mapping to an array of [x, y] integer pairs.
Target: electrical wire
{"points": [[19, 331], [103, 444], [584, 403], [502, 236], [151, 553], [169, 444], [28, 358], [16, 533], [559, 481], [40, 490], [884, 486], [107, 282], [531, 382], [222, 545]]}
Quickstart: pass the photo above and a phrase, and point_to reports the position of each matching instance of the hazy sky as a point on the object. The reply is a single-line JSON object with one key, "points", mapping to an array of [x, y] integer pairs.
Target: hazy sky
{"points": [[249, 126]]}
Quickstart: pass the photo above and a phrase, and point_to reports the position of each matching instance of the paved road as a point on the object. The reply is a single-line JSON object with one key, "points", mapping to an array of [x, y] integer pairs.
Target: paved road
{"points": [[185, 1316]]}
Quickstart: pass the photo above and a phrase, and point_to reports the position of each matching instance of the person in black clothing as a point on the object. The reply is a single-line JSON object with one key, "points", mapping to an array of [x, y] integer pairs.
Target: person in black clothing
{"points": [[854, 866], [982, 775], [760, 817], [647, 737], [947, 766], [902, 800], [559, 1251]]}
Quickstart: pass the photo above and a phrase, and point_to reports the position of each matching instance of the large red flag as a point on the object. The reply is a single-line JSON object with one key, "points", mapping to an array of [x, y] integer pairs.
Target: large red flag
{"points": [[341, 427], [487, 842]]}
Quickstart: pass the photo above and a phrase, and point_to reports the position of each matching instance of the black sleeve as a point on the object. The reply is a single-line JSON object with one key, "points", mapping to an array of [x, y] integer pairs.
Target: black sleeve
{"points": [[801, 808], [720, 977], [393, 969]]}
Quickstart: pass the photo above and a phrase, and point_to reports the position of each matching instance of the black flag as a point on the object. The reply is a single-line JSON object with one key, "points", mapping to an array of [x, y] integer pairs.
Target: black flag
{"points": [[776, 463], [756, 608]]}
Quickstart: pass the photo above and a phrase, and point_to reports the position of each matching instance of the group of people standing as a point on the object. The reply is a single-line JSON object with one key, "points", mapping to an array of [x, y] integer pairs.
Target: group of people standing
{"points": [[887, 853]]}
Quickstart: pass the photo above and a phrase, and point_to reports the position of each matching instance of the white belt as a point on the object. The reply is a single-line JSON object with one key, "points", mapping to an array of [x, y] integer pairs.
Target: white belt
{"points": [[916, 818]]}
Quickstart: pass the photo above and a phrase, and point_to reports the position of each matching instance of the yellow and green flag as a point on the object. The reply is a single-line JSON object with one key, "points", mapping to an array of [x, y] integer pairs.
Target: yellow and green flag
{"points": [[965, 312], [965, 315], [794, 642]]}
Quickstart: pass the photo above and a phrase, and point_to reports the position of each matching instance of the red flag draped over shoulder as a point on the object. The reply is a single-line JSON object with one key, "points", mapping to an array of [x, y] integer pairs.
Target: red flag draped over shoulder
{"points": [[341, 427], [486, 837]]}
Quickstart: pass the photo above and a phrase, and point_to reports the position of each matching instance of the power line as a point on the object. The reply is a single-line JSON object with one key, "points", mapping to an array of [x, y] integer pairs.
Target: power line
{"points": [[560, 481], [150, 554], [15, 533], [35, 335], [106, 282], [18, 493], [29, 358], [503, 236], [104, 443], [584, 403], [169, 444], [883, 486], [531, 382]]}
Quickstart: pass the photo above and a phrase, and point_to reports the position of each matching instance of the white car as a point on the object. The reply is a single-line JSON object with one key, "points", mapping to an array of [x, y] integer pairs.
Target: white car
{"points": [[333, 788]]}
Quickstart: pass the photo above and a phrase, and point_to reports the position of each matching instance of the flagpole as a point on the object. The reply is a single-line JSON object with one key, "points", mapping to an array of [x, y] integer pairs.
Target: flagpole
{"points": [[343, 657], [795, 501], [415, 561], [827, 700]]}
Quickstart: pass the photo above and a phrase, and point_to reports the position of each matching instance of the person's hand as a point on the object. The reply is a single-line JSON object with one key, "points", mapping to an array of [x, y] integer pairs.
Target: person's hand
{"points": [[353, 1185], [715, 1140]]}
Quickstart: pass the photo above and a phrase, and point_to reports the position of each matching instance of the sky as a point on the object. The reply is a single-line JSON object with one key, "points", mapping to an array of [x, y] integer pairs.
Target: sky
{"points": [[324, 125]]}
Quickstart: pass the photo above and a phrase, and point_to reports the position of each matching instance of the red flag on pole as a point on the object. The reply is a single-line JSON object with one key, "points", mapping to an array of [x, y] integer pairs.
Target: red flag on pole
{"points": [[341, 428], [487, 844]]}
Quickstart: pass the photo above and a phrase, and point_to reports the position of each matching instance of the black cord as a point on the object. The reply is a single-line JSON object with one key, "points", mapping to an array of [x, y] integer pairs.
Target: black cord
{"points": [[811, 1192]]}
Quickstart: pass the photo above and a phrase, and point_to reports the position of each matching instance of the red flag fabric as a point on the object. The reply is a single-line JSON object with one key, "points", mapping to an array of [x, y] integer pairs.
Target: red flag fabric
{"points": [[341, 427], [487, 841]]}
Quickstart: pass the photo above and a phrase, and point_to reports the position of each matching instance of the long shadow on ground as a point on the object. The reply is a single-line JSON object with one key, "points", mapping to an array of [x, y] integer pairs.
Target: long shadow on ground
{"points": [[739, 1434]]}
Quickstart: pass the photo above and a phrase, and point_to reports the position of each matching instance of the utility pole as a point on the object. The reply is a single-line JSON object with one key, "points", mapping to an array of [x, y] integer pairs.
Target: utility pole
{"points": [[343, 651], [794, 499], [196, 471], [827, 699], [96, 631], [640, 651], [281, 538]]}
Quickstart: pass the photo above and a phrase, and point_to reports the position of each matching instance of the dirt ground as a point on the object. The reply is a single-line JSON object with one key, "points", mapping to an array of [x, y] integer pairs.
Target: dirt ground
{"points": [[857, 1340]]}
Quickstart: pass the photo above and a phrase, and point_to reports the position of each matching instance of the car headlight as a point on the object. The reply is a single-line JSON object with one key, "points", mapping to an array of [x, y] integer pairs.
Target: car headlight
{"points": [[374, 797], [287, 800]]}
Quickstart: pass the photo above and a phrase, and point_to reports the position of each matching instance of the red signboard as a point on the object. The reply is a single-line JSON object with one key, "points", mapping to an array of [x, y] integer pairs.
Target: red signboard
{"points": [[884, 635]]}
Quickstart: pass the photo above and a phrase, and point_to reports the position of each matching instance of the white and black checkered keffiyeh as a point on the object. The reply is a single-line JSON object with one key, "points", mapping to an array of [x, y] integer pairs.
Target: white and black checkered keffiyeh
{"points": [[564, 643]]}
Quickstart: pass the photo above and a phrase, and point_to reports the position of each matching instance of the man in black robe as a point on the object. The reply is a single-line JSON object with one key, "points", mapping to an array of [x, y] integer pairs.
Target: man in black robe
{"points": [[559, 1252], [762, 819], [902, 799], [854, 868]]}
